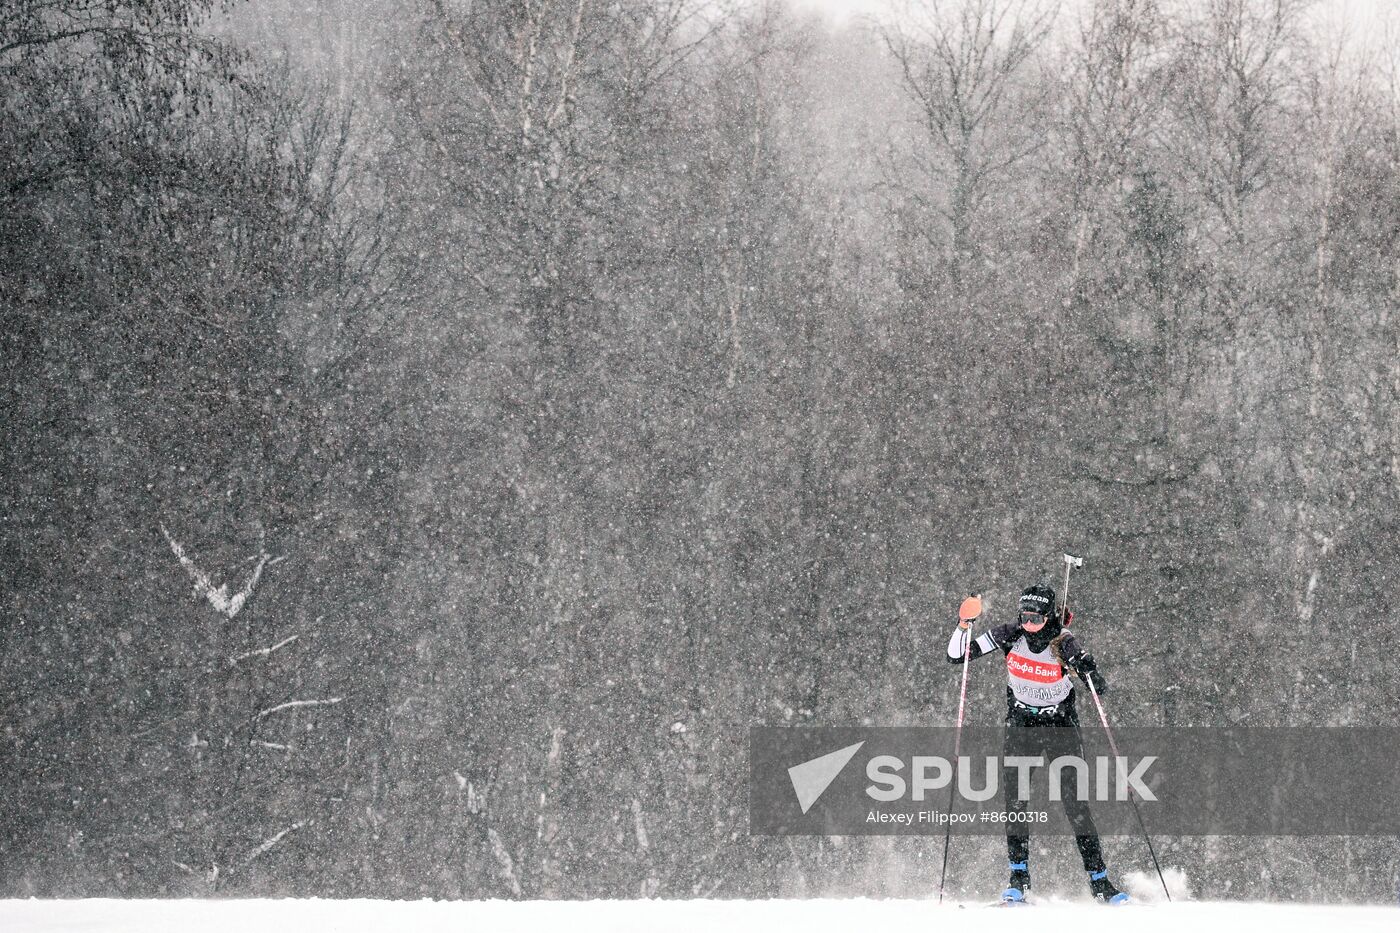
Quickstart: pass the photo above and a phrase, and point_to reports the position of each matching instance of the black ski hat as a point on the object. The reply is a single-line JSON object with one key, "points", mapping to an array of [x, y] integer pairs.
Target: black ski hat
{"points": [[1039, 598]]}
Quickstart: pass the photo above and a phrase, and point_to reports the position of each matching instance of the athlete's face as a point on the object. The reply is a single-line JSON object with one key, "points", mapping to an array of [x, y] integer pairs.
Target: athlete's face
{"points": [[1033, 621]]}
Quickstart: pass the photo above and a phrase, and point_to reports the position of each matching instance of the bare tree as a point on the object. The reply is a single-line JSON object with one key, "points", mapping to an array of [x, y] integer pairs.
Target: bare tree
{"points": [[550, 104], [1113, 101], [1336, 109], [1233, 76], [1390, 110], [962, 64]]}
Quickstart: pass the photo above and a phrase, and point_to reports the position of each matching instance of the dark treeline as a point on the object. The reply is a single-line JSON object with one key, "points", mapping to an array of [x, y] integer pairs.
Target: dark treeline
{"points": [[538, 394]]}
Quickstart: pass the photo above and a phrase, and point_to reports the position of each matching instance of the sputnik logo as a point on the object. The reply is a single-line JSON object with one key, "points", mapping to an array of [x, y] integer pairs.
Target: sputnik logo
{"points": [[811, 778]]}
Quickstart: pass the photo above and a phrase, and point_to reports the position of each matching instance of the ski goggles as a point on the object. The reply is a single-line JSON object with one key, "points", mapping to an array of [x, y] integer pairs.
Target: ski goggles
{"points": [[1033, 620]]}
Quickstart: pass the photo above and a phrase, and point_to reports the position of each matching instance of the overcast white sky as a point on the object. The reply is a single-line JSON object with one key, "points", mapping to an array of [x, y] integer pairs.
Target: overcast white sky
{"points": [[1363, 15], [843, 9]]}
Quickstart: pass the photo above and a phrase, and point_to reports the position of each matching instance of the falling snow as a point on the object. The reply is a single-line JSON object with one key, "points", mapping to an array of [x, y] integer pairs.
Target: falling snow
{"points": [[438, 431]]}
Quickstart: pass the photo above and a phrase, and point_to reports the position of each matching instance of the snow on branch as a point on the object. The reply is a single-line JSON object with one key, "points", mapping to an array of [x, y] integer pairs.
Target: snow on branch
{"points": [[293, 704], [263, 651], [504, 862], [219, 597], [273, 840]]}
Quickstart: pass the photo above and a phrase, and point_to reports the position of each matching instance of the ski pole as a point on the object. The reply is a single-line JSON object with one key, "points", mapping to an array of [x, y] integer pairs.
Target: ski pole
{"points": [[1132, 798], [970, 609], [1072, 561]]}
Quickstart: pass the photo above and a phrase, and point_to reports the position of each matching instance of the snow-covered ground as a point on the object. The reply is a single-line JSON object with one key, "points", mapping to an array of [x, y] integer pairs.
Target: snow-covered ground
{"points": [[313, 916]]}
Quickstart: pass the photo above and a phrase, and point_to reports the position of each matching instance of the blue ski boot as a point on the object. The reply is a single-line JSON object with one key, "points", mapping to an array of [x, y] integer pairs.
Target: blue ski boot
{"points": [[1019, 885], [1103, 889]]}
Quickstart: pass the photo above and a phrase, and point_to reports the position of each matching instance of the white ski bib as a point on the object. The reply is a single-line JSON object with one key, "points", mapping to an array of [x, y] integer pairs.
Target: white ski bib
{"points": [[1036, 677]]}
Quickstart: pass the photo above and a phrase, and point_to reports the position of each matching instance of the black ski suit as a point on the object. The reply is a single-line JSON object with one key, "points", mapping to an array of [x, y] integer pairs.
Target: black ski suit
{"points": [[1040, 693]]}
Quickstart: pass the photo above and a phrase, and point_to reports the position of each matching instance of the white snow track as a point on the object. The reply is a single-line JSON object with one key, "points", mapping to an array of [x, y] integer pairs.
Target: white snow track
{"points": [[810, 916]]}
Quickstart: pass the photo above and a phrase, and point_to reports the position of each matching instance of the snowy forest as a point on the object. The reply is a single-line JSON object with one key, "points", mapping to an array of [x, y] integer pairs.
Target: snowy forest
{"points": [[438, 430]]}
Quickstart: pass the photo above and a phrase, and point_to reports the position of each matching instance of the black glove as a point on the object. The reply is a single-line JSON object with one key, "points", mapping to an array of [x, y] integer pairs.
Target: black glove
{"points": [[1083, 664]]}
